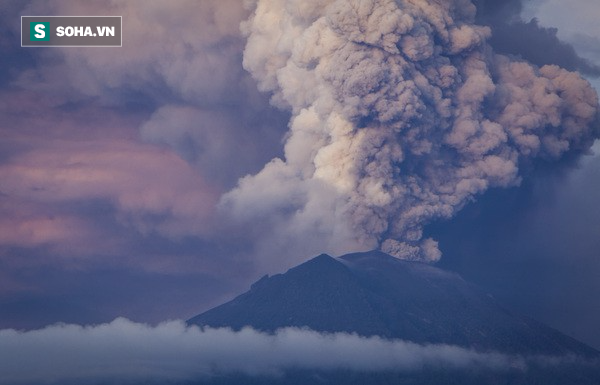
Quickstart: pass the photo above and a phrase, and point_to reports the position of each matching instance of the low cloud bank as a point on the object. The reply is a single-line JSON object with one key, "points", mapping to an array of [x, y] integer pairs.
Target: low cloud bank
{"points": [[127, 352]]}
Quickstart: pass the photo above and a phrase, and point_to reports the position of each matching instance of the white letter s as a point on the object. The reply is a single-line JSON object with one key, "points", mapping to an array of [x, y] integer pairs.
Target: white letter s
{"points": [[40, 31]]}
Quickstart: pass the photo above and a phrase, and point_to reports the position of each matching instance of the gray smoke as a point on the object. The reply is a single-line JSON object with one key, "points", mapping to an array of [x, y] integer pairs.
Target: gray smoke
{"points": [[401, 114]]}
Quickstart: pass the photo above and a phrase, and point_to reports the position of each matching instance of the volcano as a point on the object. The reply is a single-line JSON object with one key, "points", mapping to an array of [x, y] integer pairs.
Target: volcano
{"points": [[375, 294]]}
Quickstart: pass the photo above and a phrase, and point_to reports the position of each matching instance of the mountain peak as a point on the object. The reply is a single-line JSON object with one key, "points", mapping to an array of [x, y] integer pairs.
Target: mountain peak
{"points": [[321, 263], [372, 293]]}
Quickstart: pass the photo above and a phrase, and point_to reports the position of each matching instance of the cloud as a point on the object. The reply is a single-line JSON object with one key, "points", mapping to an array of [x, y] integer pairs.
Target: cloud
{"points": [[125, 351], [219, 142], [141, 181], [154, 130], [182, 64], [401, 115], [111, 162], [187, 50], [57, 163]]}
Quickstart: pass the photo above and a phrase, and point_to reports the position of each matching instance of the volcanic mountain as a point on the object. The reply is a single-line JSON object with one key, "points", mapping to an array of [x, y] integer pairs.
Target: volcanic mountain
{"points": [[375, 294]]}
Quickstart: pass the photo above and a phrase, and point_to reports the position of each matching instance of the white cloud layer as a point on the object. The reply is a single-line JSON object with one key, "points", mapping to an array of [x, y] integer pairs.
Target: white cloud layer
{"points": [[125, 351]]}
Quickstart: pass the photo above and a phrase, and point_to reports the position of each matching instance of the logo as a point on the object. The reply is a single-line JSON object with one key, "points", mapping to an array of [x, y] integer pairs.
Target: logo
{"points": [[71, 31], [39, 31]]}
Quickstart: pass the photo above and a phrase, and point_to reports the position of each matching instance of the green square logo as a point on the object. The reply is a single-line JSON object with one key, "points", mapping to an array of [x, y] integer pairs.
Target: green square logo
{"points": [[39, 31]]}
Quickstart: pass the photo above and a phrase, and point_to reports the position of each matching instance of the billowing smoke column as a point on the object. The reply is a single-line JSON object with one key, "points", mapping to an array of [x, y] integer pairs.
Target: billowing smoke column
{"points": [[401, 114]]}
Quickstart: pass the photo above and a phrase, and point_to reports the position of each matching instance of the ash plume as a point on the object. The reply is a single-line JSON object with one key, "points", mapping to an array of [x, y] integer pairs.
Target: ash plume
{"points": [[402, 113]]}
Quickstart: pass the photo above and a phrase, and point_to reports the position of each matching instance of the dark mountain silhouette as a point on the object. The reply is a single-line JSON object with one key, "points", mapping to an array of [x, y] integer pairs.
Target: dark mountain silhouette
{"points": [[373, 293]]}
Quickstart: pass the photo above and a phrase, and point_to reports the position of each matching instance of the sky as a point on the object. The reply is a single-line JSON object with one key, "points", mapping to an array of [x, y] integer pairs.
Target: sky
{"points": [[220, 143]]}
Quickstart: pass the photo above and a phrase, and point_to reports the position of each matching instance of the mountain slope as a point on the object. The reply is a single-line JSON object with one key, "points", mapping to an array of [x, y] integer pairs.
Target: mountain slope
{"points": [[375, 294]]}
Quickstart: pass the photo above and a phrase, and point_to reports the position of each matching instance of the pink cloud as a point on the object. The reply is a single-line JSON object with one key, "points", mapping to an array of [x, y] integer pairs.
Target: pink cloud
{"points": [[138, 179], [54, 159]]}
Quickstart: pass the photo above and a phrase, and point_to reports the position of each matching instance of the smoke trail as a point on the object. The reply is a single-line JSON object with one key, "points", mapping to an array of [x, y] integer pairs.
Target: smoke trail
{"points": [[402, 113]]}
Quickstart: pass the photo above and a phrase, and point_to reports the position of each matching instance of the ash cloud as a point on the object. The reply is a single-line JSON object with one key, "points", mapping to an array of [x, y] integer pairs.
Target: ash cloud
{"points": [[402, 113], [126, 352]]}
